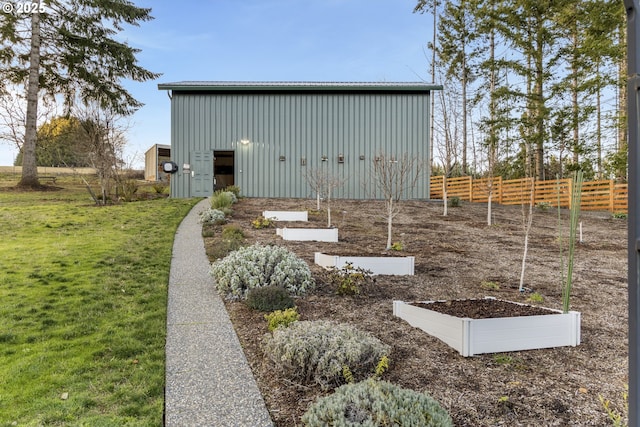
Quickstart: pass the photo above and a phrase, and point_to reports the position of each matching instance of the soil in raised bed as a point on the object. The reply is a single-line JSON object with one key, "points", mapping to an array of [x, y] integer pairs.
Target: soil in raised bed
{"points": [[483, 308]]}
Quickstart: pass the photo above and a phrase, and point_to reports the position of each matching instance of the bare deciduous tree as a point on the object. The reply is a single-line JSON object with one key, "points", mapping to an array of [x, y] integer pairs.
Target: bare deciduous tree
{"points": [[394, 179], [323, 183], [13, 116], [105, 141]]}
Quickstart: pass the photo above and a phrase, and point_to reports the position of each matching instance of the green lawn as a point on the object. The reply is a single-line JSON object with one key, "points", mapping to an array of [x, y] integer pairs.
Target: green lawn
{"points": [[83, 293]]}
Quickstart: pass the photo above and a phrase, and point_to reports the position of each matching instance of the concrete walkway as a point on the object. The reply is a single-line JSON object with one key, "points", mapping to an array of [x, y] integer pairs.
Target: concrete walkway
{"points": [[208, 379]]}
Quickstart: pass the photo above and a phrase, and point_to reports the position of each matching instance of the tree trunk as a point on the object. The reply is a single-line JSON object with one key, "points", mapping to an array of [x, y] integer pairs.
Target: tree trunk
{"points": [[29, 166], [389, 221]]}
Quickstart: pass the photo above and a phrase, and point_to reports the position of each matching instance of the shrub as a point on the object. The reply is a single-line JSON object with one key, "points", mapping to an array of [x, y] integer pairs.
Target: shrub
{"points": [[231, 239], [223, 199], [269, 298], [233, 189], [212, 216], [349, 280], [127, 189], [281, 318], [376, 403], [256, 266], [232, 232], [535, 298], [454, 202], [160, 187], [317, 351], [262, 222], [397, 246]]}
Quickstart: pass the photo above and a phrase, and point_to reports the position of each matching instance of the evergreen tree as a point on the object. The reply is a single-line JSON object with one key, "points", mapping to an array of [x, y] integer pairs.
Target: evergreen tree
{"points": [[458, 54], [68, 48]]}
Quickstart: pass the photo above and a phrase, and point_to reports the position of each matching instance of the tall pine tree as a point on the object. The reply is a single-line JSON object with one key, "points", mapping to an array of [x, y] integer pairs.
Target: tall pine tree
{"points": [[68, 48]]}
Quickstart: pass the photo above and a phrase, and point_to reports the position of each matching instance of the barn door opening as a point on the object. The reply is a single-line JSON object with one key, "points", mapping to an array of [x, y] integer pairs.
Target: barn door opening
{"points": [[223, 169]]}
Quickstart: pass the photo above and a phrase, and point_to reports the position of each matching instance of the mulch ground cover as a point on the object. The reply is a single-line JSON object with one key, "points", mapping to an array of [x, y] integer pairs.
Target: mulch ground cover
{"points": [[460, 257]]}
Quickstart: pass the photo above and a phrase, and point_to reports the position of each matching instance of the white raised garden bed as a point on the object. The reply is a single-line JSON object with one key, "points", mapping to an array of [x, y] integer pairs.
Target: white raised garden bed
{"points": [[286, 215], [308, 234], [476, 336], [377, 265]]}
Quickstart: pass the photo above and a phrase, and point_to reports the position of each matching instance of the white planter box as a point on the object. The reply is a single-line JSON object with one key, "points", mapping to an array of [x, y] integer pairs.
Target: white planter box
{"points": [[286, 215], [308, 234], [377, 265], [476, 336]]}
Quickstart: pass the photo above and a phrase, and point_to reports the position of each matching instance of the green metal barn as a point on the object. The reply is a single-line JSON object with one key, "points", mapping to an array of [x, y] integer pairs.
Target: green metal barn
{"points": [[265, 137]]}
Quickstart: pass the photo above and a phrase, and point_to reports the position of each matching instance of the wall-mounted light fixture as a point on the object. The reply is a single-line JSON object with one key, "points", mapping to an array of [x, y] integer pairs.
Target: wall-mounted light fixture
{"points": [[303, 161], [340, 158], [282, 158], [361, 156], [324, 158], [244, 141]]}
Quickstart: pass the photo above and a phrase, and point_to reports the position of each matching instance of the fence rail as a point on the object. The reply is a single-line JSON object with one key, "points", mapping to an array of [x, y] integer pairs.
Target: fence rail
{"points": [[606, 195]]}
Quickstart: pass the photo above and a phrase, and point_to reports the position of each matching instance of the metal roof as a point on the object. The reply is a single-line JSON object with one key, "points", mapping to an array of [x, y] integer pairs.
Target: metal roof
{"points": [[235, 86]]}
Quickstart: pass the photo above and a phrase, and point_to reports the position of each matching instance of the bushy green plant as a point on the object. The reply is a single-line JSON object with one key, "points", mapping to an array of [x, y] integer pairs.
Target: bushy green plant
{"points": [[160, 187], [212, 216], [262, 222], [619, 215], [269, 298], [233, 189], [489, 285], [256, 266], [223, 199], [454, 202], [232, 232], [397, 246], [543, 206], [374, 403], [318, 351], [535, 298], [283, 318], [231, 239], [349, 280], [127, 189]]}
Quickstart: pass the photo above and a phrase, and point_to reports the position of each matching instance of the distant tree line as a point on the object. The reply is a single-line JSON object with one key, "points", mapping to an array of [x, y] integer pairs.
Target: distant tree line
{"points": [[531, 87]]}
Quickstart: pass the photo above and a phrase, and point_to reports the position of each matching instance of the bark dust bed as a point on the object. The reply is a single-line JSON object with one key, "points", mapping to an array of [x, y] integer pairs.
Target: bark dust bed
{"points": [[454, 257]]}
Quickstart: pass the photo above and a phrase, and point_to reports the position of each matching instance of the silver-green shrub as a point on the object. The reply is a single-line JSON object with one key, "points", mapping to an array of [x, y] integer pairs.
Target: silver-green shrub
{"points": [[374, 403], [318, 351], [212, 216], [256, 266]]}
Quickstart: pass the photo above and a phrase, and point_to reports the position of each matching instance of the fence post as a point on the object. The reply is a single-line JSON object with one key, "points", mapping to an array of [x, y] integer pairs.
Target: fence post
{"points": [[470, 188], [612, 188]]}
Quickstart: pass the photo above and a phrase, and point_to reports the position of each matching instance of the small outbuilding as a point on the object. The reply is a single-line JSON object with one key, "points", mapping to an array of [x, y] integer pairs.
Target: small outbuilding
{"points": [[154, 157], [267, 137]]}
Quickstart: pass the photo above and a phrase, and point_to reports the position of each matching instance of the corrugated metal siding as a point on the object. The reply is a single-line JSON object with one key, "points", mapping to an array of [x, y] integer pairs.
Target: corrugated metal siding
{"points": [[299, 126]]}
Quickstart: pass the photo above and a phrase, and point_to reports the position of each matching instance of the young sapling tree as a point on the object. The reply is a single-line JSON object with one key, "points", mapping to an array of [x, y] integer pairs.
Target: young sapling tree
{"points": [[527, 221], [323, 184], [394, 179]]}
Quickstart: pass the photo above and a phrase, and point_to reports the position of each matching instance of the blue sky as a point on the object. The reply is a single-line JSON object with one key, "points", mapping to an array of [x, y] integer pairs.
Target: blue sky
{"points": [[268, 40]]}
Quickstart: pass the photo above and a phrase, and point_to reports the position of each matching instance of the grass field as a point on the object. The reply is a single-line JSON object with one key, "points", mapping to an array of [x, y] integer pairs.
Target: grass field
{"points": [[83, 293]]}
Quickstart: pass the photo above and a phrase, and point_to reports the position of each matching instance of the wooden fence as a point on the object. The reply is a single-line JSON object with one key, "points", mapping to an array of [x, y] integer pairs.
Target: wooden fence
{"points": [[596, 195]]}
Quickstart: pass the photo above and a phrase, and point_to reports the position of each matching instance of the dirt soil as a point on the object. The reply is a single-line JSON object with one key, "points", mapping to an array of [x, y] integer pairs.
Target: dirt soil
{"points": [[460, 257]]}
